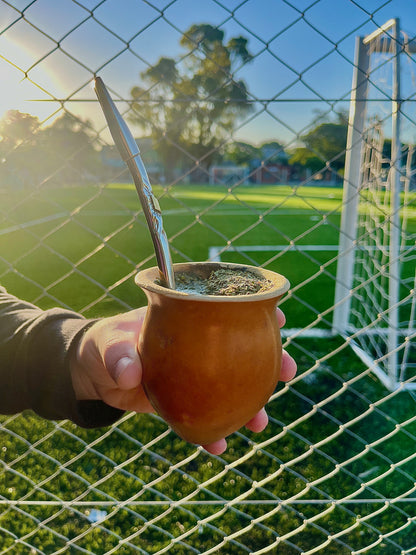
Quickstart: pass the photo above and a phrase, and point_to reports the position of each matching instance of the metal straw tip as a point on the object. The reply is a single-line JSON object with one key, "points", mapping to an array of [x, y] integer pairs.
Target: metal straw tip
{"points": [[100, 88], [102, 92], [107, 104], [121, 134]]}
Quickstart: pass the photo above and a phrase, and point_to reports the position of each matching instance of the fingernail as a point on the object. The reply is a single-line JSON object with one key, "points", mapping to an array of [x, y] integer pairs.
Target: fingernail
{"points": [[120, 367]]}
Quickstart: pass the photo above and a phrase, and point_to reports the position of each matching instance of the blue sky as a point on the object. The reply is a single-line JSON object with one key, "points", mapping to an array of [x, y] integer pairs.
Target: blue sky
{"points": [[303, 51]]}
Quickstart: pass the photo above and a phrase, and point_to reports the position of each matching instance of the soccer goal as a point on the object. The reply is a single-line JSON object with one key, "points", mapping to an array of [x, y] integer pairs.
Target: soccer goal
{"points": [[375, 291], [228, 175]]}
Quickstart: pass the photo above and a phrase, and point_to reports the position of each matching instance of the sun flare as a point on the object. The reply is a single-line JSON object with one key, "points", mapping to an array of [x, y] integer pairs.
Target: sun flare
{"points": [[25, 92]]}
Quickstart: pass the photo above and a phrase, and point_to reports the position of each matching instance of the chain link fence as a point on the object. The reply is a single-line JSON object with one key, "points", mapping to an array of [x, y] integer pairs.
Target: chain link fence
{"points": [[241, 113]]}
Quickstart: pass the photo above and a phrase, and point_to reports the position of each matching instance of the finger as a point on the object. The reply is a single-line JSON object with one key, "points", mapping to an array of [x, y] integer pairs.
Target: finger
{"points": [[289, 367], [259, 422], [216, 448], [120, 357], [126, 372], [281, 318]]}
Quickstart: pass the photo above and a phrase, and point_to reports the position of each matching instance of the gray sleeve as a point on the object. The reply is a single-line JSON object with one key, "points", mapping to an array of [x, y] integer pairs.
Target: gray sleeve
{"points": [[35, 346]]}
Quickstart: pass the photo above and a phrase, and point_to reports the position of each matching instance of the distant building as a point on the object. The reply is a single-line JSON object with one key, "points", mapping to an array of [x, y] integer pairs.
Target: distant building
{"points": [[273, 167]]}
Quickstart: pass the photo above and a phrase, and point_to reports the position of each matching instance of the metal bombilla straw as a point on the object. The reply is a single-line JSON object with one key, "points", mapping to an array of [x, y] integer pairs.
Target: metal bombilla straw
{"points": [[129, 152]]}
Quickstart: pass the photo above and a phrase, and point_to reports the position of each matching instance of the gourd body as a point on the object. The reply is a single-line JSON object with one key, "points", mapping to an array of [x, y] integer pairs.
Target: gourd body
{"points": [[210, 363]]}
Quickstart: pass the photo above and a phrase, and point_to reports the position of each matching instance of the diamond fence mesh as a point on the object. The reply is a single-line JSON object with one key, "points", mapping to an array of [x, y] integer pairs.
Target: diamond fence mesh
{"points": [[241, 113]]}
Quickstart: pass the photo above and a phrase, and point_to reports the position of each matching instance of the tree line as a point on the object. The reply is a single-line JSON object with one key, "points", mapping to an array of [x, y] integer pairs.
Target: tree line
{"points": [[65, 153], [188, 108], [31, 154]]}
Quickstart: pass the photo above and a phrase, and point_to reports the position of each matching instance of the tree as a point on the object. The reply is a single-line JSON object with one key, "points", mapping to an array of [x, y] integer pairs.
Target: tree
{"points": [[328, 140], [302, 156], [32, 154], [273, 152], [68, 149], [241, 154], [190, 109], [19, 150], [17, 128]]}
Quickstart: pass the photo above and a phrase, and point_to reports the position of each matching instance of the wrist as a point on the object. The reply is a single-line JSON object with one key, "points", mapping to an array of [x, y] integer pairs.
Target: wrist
{"points": [[83, 387]]}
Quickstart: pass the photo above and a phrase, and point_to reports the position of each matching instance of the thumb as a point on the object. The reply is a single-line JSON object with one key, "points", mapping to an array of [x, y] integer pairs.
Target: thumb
{"points": [[126, 371]]}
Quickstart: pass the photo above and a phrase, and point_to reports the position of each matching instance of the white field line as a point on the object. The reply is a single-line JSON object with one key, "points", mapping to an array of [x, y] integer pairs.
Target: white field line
{"points": [[60, 215], [31, 223], [214, 253]]}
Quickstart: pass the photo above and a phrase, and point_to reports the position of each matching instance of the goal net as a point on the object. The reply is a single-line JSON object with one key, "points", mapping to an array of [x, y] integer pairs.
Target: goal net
{"points": [[375, 294]]}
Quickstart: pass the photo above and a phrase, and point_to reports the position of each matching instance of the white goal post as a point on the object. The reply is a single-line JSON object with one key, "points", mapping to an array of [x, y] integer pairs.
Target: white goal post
{"points": [[377, 185]]}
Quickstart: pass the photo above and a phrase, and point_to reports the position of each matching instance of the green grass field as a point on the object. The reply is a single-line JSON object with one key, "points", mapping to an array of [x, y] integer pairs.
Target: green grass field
{"points": [[335, 433], [104, 241]]}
